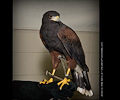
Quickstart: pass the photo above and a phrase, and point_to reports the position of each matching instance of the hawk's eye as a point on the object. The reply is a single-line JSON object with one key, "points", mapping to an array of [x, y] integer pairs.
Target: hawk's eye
{"points": [[50, 16]]}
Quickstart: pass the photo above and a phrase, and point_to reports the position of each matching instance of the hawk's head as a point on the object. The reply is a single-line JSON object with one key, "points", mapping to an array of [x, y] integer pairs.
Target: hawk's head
{"points": [[51, 16]]}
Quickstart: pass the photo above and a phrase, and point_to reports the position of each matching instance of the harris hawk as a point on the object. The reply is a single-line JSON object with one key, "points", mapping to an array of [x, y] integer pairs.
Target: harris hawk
{"points": [[61, 40]]}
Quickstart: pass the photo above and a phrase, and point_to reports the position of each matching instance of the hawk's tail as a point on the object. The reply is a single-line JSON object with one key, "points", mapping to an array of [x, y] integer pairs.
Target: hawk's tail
{"points": [[82, 81]]}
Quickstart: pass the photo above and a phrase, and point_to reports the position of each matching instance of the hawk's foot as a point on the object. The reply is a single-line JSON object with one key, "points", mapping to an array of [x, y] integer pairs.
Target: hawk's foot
{"points": [[63, 82], [50, 81], [46, 82]]}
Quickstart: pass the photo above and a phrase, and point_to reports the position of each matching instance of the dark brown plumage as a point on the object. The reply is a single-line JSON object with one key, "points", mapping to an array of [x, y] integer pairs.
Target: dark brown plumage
{"points": [[60, 39]]}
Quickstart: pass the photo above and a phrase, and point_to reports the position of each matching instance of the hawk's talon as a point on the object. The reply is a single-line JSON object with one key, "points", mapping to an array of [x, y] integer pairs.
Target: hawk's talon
{"points": [[63, 82]]}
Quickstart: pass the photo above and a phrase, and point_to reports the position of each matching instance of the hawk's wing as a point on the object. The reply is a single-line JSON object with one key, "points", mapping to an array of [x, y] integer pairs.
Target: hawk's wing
{"points": [[73, 46]]}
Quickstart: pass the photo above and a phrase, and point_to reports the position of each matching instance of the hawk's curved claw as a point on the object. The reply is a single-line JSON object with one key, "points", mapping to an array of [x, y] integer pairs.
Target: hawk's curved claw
{"points": [[63, 82]]}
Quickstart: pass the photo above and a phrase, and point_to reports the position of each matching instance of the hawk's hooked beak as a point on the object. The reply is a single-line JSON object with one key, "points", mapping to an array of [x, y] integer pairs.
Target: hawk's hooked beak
{"points": [[55, 18]]}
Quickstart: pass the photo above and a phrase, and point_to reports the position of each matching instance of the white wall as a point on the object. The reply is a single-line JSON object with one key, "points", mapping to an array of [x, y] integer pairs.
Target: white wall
{"points": [[80, 15]]}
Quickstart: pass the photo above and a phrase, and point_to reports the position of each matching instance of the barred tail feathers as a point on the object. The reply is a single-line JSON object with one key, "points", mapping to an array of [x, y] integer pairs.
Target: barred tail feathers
{"points": [[81, 79]]}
